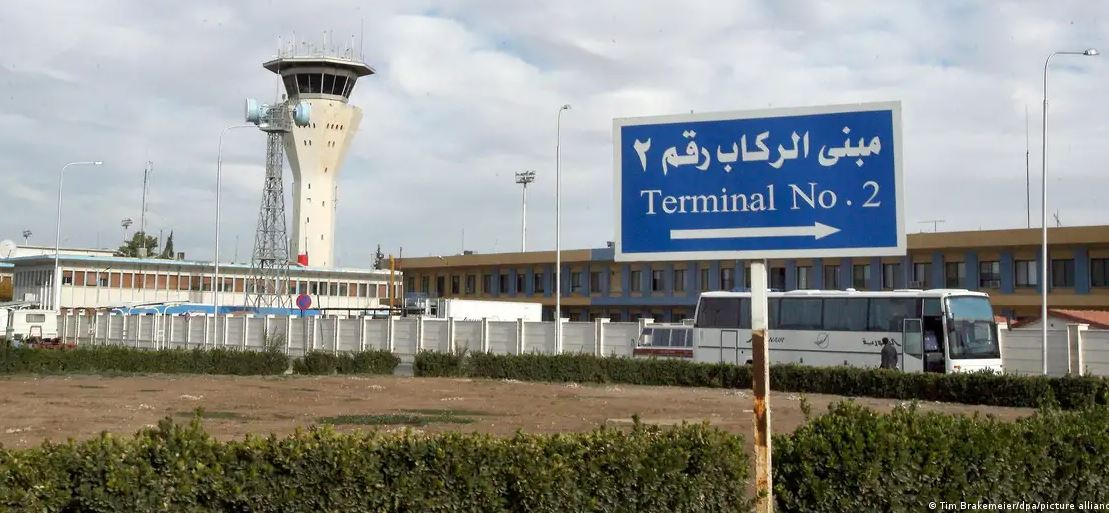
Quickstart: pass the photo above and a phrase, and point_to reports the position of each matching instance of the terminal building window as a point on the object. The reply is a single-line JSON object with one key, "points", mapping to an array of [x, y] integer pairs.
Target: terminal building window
{"points": [[487, 283], [637, 281], [658, 281], [594, 281], [454, 284], [777, 278], [889, 275], [679, 280], [860, 276], [521, 282], [804, 277], [955, 275], [1026, 273], [1062, 273], [921, 270], [575, 282], [1099, 272], [989, 274], [705, 280], [831, 277], [504, 283], [471, 283], [537, 283], [727, 278]]}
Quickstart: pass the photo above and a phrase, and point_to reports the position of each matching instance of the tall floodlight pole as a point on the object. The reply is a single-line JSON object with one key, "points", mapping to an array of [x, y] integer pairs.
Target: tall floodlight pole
{"points": [[558, 228], [58, 233], [215, 258], [524, 178], [1044, 282]]}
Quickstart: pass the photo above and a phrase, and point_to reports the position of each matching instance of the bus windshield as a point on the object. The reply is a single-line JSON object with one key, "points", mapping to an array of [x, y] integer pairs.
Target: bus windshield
{"points": [[973, 332]]}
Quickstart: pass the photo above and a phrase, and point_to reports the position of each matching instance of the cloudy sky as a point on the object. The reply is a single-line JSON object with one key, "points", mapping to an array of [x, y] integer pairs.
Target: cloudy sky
{"points": [[466, 94]]}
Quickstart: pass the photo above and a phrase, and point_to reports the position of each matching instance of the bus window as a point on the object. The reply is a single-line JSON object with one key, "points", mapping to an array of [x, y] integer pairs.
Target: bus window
{"points": [[745, 314], [932, 307], [718, 312], [772, 313], [800, 314], [679, 338], [661, 338], [886, 314], [844, 314]]}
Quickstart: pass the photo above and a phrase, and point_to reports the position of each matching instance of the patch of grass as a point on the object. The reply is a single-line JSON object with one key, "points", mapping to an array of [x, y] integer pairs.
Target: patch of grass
{"points": [[204, 414], [448, 412], [89, 386], [394, 419]]}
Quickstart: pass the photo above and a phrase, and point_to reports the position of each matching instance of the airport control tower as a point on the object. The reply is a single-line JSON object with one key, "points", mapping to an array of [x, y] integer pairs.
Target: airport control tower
{"points": [[324, 78]]}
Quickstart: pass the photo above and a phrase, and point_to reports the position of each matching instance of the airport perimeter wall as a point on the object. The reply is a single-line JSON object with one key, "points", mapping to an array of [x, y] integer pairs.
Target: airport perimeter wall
{"points": [[1075, 350]]}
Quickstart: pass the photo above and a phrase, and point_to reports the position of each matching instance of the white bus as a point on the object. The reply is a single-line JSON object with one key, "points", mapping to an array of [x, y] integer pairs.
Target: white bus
{"points": [[944, 330]]}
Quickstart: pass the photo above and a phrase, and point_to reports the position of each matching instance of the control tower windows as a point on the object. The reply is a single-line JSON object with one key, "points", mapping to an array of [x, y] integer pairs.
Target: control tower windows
{"points": [[350, 85], [314, 85], [290, 85], [302, 83], [340, 86], [328, 84]]}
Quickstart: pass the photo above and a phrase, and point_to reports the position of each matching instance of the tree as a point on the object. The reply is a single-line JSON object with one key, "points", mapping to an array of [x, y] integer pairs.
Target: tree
{"points": [[139, 239], [168, 251], [379, 258]]}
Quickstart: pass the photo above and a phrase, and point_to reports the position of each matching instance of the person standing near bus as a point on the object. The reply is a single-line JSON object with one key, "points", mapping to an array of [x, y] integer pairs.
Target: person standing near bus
{"points": [[889, 354]]}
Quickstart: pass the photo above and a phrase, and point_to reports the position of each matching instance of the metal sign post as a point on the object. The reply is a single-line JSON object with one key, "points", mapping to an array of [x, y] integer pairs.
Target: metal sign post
{"points": [[809, 182], [760, 356]]}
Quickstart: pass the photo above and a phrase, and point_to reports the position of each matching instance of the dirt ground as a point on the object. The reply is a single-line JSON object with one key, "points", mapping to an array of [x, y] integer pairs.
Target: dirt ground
{"points": [[33, 409]]}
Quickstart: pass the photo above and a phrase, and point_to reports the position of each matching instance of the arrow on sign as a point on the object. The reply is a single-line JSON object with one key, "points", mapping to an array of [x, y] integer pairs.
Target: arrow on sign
{"points": [[816, 231]]}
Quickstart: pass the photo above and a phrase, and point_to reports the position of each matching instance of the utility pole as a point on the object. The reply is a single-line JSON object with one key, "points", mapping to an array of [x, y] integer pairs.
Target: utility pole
{"points": [[1027, 175], [524, 178], [142, 214]]}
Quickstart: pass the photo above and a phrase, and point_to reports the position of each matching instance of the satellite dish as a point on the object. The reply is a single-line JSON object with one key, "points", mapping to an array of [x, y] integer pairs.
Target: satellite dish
{"points": [[253, 111], [301, 113], [7, 248]]}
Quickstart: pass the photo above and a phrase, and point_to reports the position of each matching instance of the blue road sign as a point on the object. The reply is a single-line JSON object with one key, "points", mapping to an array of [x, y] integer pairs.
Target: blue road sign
{"points": [[804, 182]]}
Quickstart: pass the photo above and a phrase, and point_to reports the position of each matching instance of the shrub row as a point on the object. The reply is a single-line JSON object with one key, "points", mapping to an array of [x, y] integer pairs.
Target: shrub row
{"points": [[853, 459], [180, 468], [366, 362], [97, 359], [1068, 392]]}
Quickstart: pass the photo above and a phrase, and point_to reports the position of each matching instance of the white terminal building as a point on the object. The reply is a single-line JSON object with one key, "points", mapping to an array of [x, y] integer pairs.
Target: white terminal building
{"points": [[106, 282], [316, 151]]}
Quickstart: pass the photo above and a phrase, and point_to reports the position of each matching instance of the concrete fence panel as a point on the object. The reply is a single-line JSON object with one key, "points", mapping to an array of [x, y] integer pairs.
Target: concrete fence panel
{"points": [[620, 338], [578, 337], [436, 335], [502, 337], [404, 336], [467, 336]]}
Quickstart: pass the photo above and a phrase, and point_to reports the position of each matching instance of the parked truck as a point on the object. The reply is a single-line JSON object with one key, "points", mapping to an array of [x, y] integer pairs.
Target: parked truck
{"points": [[29, 325], [474, 309]]}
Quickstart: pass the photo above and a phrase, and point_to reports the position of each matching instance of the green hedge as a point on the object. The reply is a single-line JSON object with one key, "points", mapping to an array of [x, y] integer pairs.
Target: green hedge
{"points": [[691, 468], [853, 459], [94, 359], [98, 359], [971, 388], [432, 364], [366, 362]]}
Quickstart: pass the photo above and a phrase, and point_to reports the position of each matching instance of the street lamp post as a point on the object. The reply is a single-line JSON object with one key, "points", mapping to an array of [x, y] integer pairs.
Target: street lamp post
{"points": [[558, 228], [58, 233], [215, 259], [1044, 281], [524, 178]]}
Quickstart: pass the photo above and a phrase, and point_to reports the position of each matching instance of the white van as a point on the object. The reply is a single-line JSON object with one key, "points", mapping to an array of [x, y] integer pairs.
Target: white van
{"points": [[25, 325]]}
